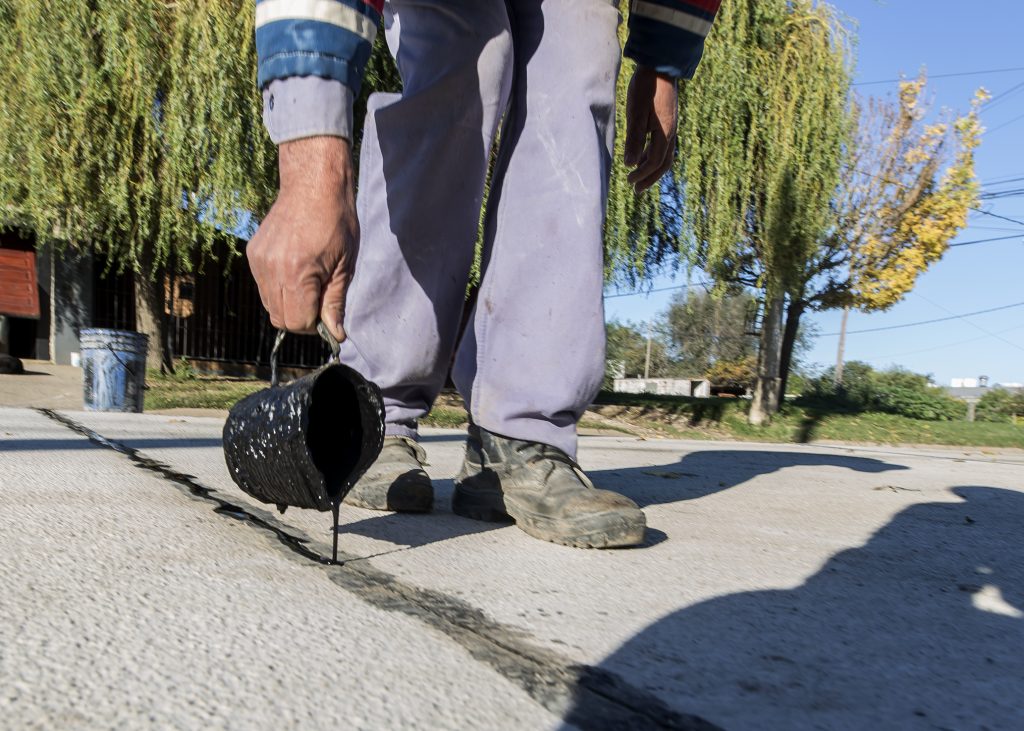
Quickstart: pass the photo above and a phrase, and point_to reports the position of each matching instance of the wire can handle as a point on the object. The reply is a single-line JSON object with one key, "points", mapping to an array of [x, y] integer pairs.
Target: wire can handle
{"points": [[324, 333]]}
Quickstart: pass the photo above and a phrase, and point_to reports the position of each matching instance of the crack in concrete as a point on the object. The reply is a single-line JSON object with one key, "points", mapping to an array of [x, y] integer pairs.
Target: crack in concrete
{"points": [[585, 696]]}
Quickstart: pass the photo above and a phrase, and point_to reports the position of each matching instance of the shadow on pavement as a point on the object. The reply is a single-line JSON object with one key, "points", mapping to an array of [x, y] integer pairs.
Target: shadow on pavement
{"points": [[703, 473], [430, 438], [922, 627], [414, 531], [43, 445], [809, 426], [420, 530], [697, 475]]}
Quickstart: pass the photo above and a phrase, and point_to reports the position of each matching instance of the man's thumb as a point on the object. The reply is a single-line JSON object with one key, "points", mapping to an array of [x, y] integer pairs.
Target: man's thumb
{"points": [[332, 308]]}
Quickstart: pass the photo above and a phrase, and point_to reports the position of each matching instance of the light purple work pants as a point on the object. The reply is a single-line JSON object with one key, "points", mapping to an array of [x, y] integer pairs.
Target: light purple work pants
{"points": [[532, 356]]}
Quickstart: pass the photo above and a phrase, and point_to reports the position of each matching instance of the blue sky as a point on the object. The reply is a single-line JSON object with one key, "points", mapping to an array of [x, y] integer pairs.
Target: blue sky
{"points": [[900, 37]]}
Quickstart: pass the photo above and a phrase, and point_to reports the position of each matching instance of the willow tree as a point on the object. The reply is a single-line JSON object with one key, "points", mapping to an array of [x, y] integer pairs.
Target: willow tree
{"points": [[907, 188], [132, 128], [762, 131]]}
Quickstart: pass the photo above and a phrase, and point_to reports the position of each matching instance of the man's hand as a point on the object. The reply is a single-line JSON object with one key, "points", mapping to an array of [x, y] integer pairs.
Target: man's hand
{"points": [[652, 105], [304, 253]]}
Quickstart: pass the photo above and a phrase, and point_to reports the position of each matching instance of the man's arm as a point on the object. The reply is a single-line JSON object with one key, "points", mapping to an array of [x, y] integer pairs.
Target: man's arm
{"points": [[312, 55], [666, 39], [668, 35]]}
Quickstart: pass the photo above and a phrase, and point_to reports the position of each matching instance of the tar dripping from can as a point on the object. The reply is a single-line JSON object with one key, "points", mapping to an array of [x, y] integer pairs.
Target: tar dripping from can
{"points": [[305, 444]]}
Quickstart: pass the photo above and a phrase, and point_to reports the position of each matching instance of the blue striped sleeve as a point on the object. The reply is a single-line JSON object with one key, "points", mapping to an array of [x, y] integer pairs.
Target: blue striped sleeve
{"points": [[331, 39], [668, 35]]}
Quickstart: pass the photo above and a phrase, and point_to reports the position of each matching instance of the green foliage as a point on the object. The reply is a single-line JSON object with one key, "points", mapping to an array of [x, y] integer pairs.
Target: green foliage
{"points": [[930, 404], [798, 383], [856, 392], [1000, 405], [443, 417], [761, 132], [213, 148], [131, 126], [184, 370], [893, 391], [627, 347], [686, 418], [699, 335], [703, 329], [734, 373]]}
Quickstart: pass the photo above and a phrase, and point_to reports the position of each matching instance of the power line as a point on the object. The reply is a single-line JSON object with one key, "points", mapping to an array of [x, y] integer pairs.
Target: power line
{"points": [[1004, 124], [927, 322], [998, 194], [943, 76], [985, 241], [943, 346], [1001, 181], [890, 181], [659, 289], [893, 182], [996, 215], [998, 98], [988, 188], [969, 322]]}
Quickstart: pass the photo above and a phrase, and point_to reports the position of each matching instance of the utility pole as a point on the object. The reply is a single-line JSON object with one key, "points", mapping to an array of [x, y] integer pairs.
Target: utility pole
{"points": [[647, 361], [842, 348]]}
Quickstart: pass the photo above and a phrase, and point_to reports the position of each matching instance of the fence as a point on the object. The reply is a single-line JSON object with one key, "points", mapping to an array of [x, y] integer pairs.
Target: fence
{"points": [[214, 314]]}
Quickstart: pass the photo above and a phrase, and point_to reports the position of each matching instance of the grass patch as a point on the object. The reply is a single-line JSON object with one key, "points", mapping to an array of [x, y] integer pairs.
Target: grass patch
{"points": [[654, 416], [604, 426], [690, 418], [445, 417], [196, 392], [894, 429]]}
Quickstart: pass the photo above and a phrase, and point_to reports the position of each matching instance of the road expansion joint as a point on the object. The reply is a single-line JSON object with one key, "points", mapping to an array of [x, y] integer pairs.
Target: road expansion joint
{"points": [[584, 695]]}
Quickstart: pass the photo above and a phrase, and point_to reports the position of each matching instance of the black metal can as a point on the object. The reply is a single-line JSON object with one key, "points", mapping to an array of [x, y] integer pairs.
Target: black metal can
{"points": [[306, 443]]}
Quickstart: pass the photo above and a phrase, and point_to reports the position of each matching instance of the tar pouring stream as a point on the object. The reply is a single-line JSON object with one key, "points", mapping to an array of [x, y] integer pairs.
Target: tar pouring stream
{"points": [[304, 444]]}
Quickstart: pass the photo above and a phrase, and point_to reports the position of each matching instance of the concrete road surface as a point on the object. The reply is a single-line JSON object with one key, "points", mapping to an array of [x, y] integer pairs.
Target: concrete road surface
{"points": [[781, 587]]}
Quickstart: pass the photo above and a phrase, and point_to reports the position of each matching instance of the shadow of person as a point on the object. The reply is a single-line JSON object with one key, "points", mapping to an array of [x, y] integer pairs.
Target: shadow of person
{"points": [[706, 472], [50, 445], [413, 531], [698, 474], [922, 627]]}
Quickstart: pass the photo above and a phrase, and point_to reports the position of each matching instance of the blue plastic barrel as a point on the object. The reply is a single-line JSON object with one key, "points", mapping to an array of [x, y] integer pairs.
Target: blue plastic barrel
{"points": [[113, 369]]}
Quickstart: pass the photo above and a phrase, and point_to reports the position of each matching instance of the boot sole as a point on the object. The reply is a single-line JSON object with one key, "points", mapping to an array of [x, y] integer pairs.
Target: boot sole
{"points": [[593, 531]]}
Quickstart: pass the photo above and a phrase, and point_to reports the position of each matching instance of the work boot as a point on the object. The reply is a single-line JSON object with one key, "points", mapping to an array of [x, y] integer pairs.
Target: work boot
{"points": [[544, 492], [396, 481]]}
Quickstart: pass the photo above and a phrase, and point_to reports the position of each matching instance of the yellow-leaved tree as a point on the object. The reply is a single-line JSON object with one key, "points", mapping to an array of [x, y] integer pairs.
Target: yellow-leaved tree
{"points": [[907, 189], [917, 213]]}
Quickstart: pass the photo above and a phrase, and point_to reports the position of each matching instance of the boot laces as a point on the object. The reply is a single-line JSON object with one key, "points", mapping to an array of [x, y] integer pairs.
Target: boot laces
{"points": [[411, 446], [553, 458]]}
